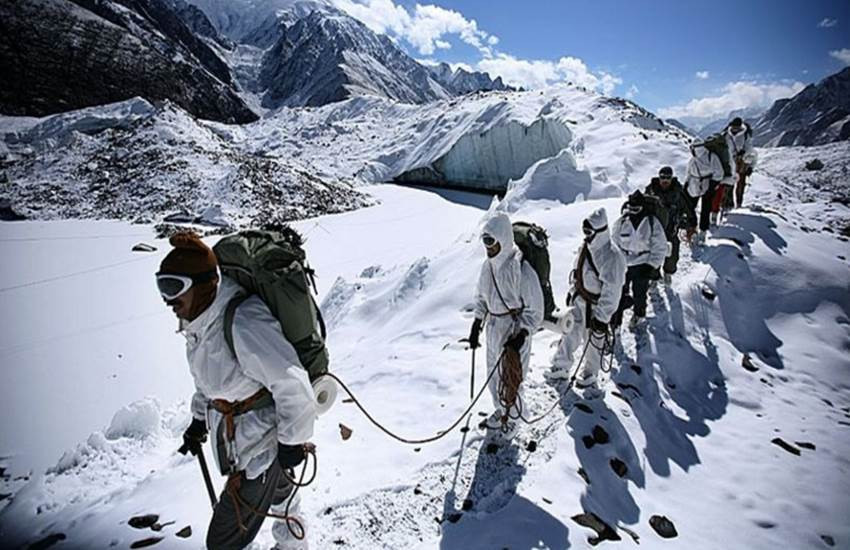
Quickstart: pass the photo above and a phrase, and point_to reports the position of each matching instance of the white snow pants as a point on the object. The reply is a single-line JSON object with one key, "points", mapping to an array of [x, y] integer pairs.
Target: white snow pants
{"points": [[573, 342], [284, 539], [499, 329]]}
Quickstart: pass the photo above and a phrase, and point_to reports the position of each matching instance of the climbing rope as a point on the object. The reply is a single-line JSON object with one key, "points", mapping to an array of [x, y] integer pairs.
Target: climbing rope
{"points": [[411, 441], [296, 528]]}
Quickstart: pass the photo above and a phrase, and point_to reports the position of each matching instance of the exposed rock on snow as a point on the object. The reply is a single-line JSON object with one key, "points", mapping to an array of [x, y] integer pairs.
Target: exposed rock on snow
{"points": [[663, 526], [814, 164], [143, 522], [785, 445]]}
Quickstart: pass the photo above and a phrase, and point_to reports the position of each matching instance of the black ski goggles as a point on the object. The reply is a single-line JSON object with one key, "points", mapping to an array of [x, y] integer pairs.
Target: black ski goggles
{"points": [[632, 208], [589, 230], [488, 240], [174, 285]]}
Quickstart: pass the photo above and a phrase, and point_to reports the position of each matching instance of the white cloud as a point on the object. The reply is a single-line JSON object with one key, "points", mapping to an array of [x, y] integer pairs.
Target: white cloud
{"points": [[537, 73], [633, 91], [426, 29], [827, 23], [382, 16], [702, 75], [429, 27], [842, 55], [734, 95]]}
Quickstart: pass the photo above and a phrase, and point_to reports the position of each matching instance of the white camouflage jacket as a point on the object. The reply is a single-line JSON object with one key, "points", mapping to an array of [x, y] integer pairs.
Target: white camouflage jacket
{"points": [[644, 244], [266, 359]]}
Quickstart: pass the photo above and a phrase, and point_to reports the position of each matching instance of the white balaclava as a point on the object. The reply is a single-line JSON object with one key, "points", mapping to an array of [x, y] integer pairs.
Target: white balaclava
{"points": [[598, 220], [499, 227]]}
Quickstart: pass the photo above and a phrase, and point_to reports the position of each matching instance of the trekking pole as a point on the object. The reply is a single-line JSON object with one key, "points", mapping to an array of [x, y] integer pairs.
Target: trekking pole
{"points": [[204, 471]]}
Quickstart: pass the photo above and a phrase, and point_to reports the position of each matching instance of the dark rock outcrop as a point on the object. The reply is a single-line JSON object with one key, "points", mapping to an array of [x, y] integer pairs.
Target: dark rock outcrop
{"points": [[58, 55], [819, 114]]}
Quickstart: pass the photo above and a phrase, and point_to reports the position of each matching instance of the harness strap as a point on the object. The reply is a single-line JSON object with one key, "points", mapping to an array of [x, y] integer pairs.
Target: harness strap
{"points": [[229, 314], [513, 312], [578, 277], [231, 409]]}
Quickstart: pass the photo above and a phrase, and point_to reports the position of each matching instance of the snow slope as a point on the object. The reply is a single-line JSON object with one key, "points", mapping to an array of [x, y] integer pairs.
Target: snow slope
{"points": [[691, 425]]}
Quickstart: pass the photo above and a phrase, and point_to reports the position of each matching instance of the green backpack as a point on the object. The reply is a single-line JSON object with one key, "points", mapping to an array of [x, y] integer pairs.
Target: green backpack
{"points": [[273, 265], [654, 207], [533, 241], [716, 143]]}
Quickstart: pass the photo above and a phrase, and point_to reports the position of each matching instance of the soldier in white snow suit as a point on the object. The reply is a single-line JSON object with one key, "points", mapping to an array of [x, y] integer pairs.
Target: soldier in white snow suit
{"points": [[742, 155], [596, 284], [640, 235], [672, 197], [509, 298], [260, 407], [705, 170]]}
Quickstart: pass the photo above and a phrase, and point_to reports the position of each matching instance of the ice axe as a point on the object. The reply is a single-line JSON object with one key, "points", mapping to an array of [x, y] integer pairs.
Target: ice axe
{"points": [[472, 370], [204, 470]]}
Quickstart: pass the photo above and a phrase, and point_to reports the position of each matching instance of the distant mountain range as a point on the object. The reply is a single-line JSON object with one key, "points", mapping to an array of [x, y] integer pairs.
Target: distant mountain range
{"points": [[68, 54], [819, 114]]}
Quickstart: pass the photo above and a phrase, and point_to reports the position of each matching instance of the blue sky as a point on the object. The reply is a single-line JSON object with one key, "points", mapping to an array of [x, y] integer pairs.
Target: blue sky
{"points": [[678, 58]]}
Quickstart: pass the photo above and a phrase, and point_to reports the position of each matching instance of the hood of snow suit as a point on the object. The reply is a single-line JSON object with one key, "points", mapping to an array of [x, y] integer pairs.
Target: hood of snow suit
{"points": [[499, 227]]}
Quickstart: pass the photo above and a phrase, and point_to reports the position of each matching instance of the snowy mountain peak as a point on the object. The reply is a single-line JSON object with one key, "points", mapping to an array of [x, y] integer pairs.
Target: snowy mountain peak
{"points": [[460, 81], [328, 56]]}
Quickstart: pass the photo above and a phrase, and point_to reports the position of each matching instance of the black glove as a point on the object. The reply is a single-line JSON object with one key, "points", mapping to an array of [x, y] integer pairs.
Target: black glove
{"points": [[474, 333], [290, 456], [193, 437], [598, 326], [516, 341]]}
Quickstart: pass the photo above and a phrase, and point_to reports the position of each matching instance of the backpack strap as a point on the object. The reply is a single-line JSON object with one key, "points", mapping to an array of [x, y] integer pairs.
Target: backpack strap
{"points": [[229, 314]]}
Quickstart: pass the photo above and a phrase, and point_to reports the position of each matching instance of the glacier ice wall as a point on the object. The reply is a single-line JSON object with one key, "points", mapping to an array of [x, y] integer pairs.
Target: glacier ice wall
{"points": [[488, 160]]}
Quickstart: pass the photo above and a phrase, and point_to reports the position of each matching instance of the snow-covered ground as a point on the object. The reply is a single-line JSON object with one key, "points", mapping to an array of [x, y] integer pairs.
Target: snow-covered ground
{"points": [[86, 341]]}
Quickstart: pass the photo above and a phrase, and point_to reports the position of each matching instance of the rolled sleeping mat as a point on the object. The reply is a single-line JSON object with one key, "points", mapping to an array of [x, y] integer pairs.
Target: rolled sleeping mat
{"points": [[325, 390]]}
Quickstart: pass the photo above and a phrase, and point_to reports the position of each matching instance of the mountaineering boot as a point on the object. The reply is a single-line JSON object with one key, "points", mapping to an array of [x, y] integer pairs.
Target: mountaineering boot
{"points": [[636, 321], [506, 433], [698, 239], [668, 279], [493, 422], [557, 373], [712, 219], [592, 391], [585, 380]]}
